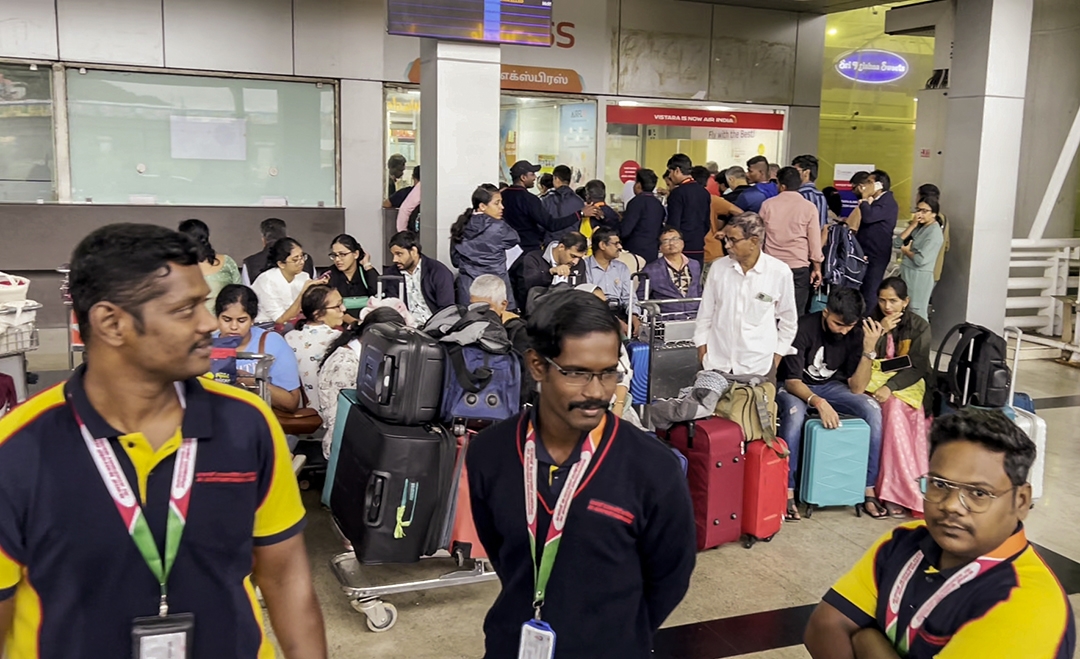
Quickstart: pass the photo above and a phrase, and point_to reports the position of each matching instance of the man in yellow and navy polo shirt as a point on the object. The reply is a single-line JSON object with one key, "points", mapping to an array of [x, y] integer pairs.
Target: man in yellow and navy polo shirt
{"points": [[137, 500], [965, 583]]}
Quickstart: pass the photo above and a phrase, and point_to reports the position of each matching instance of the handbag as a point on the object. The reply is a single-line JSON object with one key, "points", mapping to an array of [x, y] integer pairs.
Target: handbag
{"points": [[305, 420], [752, 406]]}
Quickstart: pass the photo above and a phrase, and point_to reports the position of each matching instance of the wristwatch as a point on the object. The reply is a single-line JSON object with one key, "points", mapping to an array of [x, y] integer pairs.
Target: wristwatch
{"points": [[870, 355]]}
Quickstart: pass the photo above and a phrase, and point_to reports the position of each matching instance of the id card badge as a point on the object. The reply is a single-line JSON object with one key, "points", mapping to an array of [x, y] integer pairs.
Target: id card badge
{"points": [[763, 297], [537, 641], [169, 637]]}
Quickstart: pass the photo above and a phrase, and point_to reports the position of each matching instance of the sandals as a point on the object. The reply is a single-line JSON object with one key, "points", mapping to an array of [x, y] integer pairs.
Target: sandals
{"points": [[883, 512], [895, 511], [792, 512]]}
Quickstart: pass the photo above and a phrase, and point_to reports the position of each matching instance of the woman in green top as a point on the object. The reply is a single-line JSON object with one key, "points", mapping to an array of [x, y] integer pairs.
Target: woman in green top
{"points": [[218, 270], [920, 244]]}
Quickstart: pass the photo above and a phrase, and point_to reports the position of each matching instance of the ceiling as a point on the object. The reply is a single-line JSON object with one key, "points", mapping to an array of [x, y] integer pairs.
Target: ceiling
{"points": [[808, 6]]}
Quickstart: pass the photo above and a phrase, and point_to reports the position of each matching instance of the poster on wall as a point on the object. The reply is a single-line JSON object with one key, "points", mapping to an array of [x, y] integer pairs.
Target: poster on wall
{"points": [[577, 140], [507, 143]]}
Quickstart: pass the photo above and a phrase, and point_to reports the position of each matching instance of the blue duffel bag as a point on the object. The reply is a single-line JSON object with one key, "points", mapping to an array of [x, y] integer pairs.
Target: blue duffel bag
{"points": [[481, 385]]}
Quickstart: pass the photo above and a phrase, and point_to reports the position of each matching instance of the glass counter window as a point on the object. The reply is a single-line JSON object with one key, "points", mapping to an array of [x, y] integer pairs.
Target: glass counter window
{"points": [[27, 149], [176, 139]]}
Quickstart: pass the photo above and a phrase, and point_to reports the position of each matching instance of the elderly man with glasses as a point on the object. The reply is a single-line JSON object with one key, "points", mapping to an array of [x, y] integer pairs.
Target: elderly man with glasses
{"points": [[673, 275], [748, 318]]}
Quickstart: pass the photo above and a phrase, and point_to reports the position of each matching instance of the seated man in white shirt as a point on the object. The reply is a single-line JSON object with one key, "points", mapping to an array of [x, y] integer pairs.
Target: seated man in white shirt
{"points": [[747, 319]]}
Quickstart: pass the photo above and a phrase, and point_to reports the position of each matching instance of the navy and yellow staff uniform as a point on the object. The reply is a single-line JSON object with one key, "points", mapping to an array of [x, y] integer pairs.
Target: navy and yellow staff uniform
{"points": [[1015, 609], [627, 550], [66, 557]]}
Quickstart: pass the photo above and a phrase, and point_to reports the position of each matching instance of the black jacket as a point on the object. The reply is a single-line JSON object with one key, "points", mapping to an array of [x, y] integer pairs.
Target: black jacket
{"points": [[526, 214], [436, 283], [641, 224], [363, 283], [689, 209], [626, 555], [532, 270]]}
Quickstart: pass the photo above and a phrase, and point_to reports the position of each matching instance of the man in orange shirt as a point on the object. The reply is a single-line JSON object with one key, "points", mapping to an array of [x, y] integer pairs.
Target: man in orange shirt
{"points": [[793, 235]]}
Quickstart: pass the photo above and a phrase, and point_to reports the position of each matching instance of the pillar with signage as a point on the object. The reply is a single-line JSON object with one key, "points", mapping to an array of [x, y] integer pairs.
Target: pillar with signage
{"points": [[460, 124], [982, 156]]}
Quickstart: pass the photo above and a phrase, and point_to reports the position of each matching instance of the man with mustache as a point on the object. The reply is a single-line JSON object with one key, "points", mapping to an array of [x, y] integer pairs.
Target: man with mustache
{"points": [[137, 500], [964, 583], [587, 520]]}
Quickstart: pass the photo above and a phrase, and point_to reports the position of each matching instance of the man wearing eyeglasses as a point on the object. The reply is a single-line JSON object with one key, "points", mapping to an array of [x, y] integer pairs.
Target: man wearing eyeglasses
{"points": [[747, 320], [674, 275], [586, 519], [963, 583]]}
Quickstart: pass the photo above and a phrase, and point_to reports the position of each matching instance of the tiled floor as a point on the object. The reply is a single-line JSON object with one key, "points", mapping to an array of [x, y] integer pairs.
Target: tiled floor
{"points": [[746, 603]]}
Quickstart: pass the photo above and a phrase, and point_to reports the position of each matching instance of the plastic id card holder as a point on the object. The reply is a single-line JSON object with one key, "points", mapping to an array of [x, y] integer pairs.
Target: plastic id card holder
{"points": [[169, 637], [537, 641]]}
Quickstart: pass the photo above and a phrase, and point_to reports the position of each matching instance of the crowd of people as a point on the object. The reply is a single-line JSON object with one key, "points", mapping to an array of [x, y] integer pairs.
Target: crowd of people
{"points": [[744, 247]]}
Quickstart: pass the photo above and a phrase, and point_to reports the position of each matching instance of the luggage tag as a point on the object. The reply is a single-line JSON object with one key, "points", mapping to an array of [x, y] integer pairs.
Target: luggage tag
{"points": [[163, 637], [537, 641]]}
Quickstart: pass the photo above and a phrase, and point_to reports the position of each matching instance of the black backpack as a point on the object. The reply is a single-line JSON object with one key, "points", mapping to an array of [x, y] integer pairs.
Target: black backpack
{"points": [[845, 263], [978, 372]]}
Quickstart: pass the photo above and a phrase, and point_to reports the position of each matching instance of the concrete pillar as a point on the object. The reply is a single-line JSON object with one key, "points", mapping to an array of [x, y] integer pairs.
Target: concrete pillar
{"points": [[362, 165], [804, 116], [459, 83], [982, 156]]}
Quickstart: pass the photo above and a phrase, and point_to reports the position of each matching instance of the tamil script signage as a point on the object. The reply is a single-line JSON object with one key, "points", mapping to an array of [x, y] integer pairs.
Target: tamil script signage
{"points": [[872, 66]]}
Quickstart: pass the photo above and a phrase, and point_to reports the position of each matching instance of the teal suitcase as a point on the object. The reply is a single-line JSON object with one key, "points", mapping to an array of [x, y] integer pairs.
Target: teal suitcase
{"points": [[834, 463], [346, 399]]}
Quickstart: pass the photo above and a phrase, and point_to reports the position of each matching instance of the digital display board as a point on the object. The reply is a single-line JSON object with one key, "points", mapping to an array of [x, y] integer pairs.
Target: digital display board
{"points": [[522, 22]]}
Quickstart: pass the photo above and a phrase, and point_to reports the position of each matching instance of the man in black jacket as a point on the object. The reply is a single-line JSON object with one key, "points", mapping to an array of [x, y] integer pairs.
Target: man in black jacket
{"points": [[625, 546], [561, 200], [643, 218], [424, 275], [689, 206], [524, 211], [562, 261]]}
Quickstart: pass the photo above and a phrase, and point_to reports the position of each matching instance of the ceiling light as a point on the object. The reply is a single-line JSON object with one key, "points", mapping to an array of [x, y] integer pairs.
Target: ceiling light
{"points": [[629, 104], [832, 31]]}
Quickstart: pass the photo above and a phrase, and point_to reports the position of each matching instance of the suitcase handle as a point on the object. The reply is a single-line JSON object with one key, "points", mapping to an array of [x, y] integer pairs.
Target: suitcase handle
{"points": [[383, 390], [374, 496]]}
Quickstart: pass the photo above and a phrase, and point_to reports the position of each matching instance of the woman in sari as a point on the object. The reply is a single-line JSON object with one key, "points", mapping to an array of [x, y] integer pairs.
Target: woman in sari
{"points": [[903, 396]]}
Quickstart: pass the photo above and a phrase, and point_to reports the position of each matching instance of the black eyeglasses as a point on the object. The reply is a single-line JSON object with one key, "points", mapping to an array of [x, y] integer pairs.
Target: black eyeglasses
{"points": [[582, 378], [334, 256]]}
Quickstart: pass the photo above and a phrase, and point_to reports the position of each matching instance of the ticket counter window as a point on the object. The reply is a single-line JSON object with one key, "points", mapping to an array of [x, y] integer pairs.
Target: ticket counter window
{"points": [[548, 131], [639, 136]]}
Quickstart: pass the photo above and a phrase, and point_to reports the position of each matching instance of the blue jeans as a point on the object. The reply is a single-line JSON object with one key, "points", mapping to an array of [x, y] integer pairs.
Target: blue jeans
{"points": [[792, 413]]}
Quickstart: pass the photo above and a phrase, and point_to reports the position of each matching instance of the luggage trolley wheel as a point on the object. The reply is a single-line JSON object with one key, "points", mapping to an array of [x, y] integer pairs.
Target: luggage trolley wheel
{"points": [[461, 552], [810, 510], [381, 616]]}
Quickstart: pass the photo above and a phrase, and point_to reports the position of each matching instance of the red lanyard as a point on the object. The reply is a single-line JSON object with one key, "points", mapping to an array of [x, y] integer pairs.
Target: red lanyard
{"points": [[892, 612], [542, 573], [127, 503]]}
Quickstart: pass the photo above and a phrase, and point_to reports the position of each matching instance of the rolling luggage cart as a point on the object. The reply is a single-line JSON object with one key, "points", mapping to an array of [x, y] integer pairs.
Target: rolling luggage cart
{"points": [[673, 360], [18, 336], [262, 389], [366, 597], [75, 343]]}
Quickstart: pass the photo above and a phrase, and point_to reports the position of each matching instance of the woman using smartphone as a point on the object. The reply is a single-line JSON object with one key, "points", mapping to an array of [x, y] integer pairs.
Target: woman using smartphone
{"points": [[900, 384]]}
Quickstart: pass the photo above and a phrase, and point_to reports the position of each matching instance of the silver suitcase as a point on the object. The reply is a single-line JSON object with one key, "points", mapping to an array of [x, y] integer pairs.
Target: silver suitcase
{"points": [[1032, 424]]}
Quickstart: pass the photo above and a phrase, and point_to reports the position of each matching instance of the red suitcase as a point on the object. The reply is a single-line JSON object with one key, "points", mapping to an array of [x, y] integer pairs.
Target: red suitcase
{"points": [[464, 543], [714, 449], [765, 496]]}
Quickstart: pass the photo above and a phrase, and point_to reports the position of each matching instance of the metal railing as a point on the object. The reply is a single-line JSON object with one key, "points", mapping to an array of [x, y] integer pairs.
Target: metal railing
{"points": [[1040, 269]]}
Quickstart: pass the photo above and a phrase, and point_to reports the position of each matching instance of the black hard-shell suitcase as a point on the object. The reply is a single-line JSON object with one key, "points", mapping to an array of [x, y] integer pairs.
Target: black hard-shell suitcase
{"points": [[392, 488], [401, 374]]}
